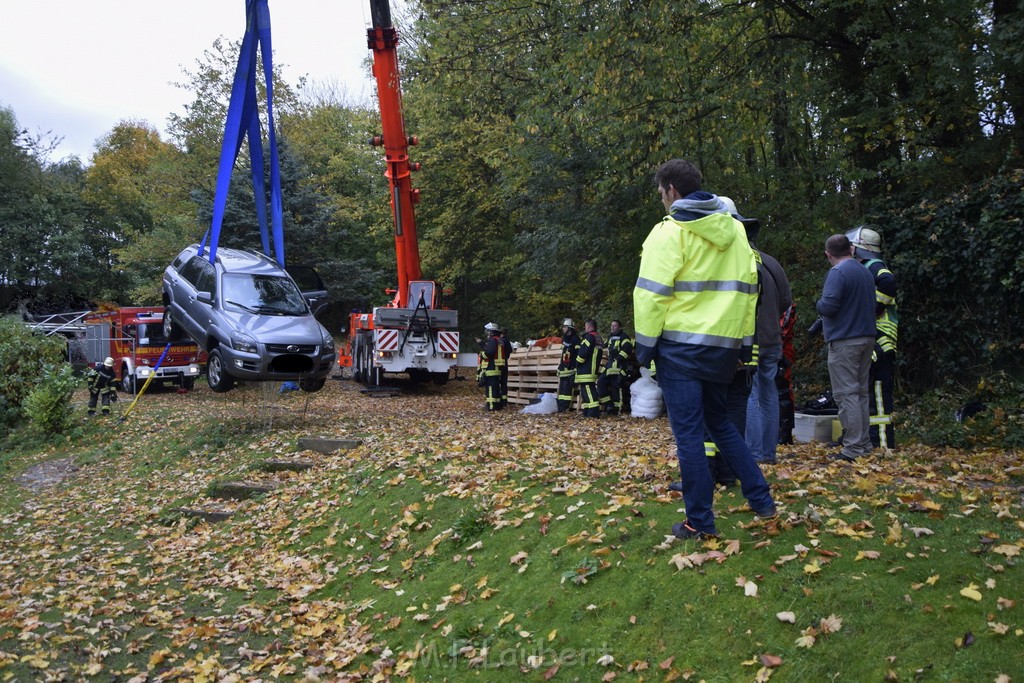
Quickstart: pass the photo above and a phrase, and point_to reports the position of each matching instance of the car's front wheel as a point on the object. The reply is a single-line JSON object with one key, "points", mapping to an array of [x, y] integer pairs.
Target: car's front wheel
{"points": [[216, 373], [312, 383]]}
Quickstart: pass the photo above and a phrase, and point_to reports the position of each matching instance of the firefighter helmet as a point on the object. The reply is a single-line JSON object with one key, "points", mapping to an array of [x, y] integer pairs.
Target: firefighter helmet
{"points": [[491, 327], [751, 225], [867, 243], [108, 362], [569, 323]]}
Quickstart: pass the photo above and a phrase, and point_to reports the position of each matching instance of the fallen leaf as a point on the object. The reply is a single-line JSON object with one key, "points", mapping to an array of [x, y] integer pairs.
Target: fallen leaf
{"points": [[971, 592], [788, 617], [771, 661]]}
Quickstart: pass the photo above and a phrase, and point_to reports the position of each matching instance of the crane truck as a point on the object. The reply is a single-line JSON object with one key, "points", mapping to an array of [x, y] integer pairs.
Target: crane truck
{"points": [[412, 334]]}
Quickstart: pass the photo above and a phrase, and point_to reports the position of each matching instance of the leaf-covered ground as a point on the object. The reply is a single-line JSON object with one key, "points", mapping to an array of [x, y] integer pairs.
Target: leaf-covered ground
{"points": [[458, 544]]}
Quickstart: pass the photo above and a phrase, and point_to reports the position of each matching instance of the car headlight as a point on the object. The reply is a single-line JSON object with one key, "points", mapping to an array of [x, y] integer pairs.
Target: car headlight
{"points": [[240, 341], [328, 341]]}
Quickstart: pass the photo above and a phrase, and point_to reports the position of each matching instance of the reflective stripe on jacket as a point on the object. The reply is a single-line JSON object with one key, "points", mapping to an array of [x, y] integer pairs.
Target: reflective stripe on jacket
{"points": [[619, 348], [886, 318], [696, 295], [588, 360]]}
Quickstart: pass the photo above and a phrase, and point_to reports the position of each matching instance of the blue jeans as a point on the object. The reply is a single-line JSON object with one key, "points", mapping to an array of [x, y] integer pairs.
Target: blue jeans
{"points": [[692, 406], [762, 433]]}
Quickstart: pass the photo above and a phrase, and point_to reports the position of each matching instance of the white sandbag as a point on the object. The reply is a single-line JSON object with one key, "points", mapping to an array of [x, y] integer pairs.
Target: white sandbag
{"points": [[547, 405], [646, 398]]}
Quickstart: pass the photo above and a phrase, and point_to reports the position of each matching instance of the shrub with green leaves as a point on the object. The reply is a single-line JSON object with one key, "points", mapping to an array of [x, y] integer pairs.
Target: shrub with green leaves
{"points": [[48, 405], [959, 267], [24, 358]]}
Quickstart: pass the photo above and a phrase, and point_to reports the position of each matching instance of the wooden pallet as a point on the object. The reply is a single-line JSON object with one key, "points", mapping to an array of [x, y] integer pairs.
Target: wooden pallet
{"points": [[532, 372]]}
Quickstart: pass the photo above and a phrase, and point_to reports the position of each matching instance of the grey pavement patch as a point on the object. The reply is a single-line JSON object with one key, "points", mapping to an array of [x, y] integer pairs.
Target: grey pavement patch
{"points": [[47, 474]]}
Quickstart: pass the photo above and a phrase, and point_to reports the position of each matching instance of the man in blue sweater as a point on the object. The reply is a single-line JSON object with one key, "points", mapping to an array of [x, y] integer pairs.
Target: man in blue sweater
{"points": [[847, 310]]}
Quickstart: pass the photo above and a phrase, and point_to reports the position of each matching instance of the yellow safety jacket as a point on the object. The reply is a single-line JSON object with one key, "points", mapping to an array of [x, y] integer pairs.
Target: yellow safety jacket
{"points": [[696, 295]]}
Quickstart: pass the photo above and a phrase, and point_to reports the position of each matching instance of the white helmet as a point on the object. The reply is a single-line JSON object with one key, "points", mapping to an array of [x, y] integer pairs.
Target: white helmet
{"points": [[569, 323], [491, 327], [751, 225], [109, 362], [866, 242]]}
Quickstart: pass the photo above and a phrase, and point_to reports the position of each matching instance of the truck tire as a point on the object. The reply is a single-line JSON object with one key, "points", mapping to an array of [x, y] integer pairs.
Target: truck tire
{"points": [[357, 361], [312, 384], [216, 373], [128, 382]]}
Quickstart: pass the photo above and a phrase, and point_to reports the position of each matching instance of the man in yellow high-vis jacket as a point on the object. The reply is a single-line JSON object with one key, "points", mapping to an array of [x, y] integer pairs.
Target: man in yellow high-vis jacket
{"points": [[694, 304]]}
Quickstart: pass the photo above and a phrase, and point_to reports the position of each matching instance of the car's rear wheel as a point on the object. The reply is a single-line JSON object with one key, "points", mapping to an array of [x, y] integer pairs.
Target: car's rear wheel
{"points": [[216, 373], [172, 330], [312, 383]]}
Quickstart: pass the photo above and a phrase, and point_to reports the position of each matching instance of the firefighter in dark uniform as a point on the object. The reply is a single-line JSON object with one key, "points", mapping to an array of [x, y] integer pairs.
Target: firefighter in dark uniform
{"points": [[567, 365], [588, 367], [491, 359], [101, 381], [609, 385], [867, 248]]}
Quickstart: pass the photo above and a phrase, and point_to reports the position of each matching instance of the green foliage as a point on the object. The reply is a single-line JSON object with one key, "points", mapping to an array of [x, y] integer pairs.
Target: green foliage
{"points": [[930, 419], [48, 405], [960, 272], [25, 357]]}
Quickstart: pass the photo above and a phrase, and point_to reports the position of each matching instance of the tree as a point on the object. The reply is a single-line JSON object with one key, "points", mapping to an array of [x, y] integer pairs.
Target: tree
{"points": [[138, 191]]}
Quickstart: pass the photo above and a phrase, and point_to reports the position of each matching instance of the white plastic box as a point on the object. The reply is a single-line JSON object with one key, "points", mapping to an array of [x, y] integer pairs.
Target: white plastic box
{"points": [[809, 428]]}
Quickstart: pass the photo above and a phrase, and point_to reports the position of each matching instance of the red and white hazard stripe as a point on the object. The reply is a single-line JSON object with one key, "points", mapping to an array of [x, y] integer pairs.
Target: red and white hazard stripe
{"points": [[387, 340], [448, 342]]}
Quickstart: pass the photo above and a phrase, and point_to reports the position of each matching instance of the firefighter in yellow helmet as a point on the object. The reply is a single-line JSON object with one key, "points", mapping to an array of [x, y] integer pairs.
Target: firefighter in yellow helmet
{"points": [[867, 248]]}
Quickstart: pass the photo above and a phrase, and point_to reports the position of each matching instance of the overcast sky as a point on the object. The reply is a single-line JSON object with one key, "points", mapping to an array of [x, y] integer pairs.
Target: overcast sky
{"points": [[77, 67]]}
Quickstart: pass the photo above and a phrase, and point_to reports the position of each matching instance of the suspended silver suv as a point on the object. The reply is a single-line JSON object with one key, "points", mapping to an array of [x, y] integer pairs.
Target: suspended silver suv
{"points": [[250, 317]]}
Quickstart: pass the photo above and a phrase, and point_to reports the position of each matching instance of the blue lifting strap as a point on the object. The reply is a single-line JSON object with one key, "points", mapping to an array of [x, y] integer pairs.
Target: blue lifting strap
{"points": [[243, 121]]}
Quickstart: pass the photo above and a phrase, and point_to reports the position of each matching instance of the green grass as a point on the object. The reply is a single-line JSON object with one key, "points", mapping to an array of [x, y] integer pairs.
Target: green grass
{"points": [[440, 548]]}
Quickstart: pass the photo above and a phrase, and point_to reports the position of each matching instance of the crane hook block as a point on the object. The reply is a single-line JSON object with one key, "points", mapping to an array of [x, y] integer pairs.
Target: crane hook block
{"points": [[413, 141], [377, 141], [415, 195], [415, 166]]}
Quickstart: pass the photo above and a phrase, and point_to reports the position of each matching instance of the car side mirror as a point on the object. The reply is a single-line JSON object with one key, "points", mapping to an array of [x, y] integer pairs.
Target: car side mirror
{"points": [[205, 297]]}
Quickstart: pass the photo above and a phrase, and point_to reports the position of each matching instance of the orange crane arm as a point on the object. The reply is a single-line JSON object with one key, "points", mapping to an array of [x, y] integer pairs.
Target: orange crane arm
{"points": [[382, 39]]}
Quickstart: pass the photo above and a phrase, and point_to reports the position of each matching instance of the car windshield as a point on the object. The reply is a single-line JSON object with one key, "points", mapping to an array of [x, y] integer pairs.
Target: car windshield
{"points": [[263, 294]]}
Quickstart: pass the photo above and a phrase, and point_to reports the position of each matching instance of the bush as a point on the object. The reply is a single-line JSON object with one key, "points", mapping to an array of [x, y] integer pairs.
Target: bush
{"points": [[960, 272], [930, 420], [48, 405], [24, 357]]}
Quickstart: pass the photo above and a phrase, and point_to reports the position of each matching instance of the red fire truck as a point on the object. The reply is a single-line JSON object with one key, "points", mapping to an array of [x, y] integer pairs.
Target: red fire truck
{"points": [[134, 338]]}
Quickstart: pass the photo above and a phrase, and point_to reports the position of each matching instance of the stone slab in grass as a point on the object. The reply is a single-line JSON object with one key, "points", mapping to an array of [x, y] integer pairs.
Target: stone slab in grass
{"points": [[287, 465], [205, 515], [238, 490], [326, 445]]}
